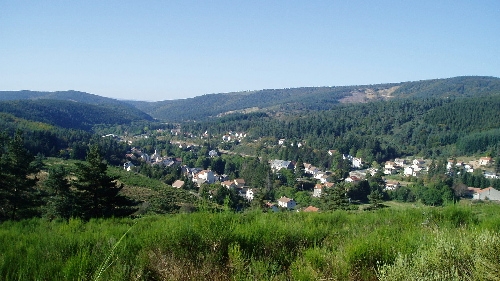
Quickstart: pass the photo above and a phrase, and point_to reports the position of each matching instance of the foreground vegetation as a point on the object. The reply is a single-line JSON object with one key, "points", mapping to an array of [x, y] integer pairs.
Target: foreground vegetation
{"points": [[457, 242]]}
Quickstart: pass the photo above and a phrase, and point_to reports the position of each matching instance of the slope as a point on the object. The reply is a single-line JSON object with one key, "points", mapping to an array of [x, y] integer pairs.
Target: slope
{"points": [[76, 97], [315, 98]]}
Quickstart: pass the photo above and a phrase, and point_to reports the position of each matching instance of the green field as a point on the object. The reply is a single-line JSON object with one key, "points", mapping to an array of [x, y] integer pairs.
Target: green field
{"points": [[458, 242]]}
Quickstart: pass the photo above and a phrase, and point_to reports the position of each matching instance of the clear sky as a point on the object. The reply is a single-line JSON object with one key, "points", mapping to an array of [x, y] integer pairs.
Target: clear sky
{"points": [[162, 50]]}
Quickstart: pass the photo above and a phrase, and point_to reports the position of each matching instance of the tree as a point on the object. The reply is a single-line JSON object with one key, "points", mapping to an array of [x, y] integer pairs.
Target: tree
{"points": [[336, 199], [60, 200], [97, 194], [17, 180]]}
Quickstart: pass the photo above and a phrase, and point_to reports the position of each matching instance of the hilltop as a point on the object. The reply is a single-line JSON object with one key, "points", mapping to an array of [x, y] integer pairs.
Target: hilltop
{"points": [[306, 99]]}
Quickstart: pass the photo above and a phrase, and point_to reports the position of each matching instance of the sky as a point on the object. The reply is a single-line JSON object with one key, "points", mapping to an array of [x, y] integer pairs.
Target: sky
{"points": [[163, 50]]}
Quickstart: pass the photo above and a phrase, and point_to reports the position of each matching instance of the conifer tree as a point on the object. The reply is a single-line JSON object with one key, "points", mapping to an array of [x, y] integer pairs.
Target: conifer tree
{"points": [[97, 192], [60, 200], [17, 180]]}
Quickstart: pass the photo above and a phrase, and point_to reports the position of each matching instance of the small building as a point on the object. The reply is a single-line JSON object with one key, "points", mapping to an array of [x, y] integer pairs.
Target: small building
{"points": [[128, 165], [286, 202], [318, 190], [178, 184], [483, 161], [487, 194]]}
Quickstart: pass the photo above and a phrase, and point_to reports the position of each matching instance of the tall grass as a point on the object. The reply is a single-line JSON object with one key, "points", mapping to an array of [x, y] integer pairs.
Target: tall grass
{"points": [[388, 244]]}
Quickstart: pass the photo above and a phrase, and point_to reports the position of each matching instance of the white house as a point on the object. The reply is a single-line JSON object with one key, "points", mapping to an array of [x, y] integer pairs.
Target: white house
{"points": [[392, 185], [277, 165], [310, 169], [408, 171], [483, 161], [357, 162], [318, 189], [287, 203], [128, 165], [487, 194], [250, 193], [206, 175], [400, 162]]}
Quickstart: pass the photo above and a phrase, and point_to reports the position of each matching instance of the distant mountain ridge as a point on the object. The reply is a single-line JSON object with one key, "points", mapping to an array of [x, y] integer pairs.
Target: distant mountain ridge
{"points": [[315, 98], [74, 104], [274, 101]]}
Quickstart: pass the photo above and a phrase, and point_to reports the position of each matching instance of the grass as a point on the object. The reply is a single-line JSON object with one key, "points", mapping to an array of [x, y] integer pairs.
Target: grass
{"points": [[396, 243]]}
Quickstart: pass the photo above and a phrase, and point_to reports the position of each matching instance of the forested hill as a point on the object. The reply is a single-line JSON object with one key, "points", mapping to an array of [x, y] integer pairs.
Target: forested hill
{"points": [[78, 98], [69, 114], [315, 98]]}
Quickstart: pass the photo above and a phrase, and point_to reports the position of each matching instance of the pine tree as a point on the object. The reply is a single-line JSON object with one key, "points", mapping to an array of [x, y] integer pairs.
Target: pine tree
{"points": [[97, 193], [17, 180], [60, 200], [336, 199]]}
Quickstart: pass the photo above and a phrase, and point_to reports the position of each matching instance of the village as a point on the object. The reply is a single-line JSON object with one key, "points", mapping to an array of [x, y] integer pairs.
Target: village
{"points": [[395, 172]]}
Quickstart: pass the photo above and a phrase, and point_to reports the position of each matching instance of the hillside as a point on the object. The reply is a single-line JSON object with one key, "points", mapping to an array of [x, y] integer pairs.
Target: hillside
{"points": [[315, 98], [78, 98], [70, 114]]}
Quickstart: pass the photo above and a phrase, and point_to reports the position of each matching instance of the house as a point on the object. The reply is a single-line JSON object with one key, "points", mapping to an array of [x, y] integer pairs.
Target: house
{"points": [[310, 209], [251, 193], [318, 190], [281, 142], [490, 175], [178, 184], [239, 183], [483, 161], [408, 171], [128, 165], [286, 202], [277, 165], [206, 175], [418, 162], [400, 162], [392, 185], [487, 194], [310, 169], [213, 153], [329, 184], [357, 162], [352, 179], [226, 138], [228, 184]]}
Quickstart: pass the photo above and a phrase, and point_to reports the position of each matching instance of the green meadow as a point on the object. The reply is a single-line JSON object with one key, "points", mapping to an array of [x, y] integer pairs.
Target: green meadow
{"points": [[456, 242]]}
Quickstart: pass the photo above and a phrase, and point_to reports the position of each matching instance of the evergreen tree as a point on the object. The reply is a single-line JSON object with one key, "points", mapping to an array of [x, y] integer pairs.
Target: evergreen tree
{"points": [[60, 200], [17, 180], [97, 194], [336, 199]]}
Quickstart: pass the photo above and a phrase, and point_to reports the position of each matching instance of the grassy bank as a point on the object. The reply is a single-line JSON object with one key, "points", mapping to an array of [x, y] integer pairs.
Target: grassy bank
{"points": [[450, 243]]}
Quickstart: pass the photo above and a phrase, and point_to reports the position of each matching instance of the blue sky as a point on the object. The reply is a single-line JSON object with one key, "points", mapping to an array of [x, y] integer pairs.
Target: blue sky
{"points": [[161, 50]]}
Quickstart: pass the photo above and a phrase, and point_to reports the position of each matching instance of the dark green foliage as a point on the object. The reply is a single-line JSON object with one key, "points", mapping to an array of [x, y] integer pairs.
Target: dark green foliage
{"points": [[60, 200], [97, 192], [17, 179], [68, 114], [336, 199], [314, 98]]}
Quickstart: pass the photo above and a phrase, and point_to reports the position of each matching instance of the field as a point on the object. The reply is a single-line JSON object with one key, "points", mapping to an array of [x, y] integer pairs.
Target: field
{"points": [[457, 242]]}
